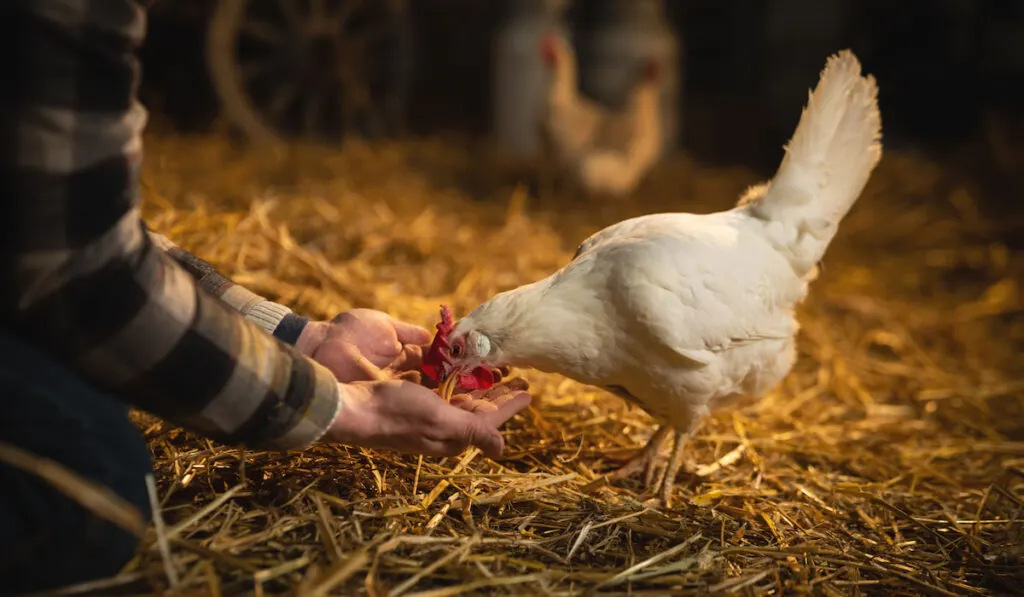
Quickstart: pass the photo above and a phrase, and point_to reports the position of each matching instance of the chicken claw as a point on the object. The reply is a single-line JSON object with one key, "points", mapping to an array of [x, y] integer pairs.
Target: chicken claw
{"points": [[649, 458], [646, 460]]}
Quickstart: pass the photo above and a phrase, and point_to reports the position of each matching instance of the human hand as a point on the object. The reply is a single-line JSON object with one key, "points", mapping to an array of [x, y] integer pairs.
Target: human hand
{"points": [[365, 345], [406, 417]]}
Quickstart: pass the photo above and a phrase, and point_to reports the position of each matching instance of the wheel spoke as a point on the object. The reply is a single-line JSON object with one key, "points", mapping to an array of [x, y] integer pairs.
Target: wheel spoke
{"points": [[291, 10], [284, 95], [255, 70], [347, 112], [371, 34], [295, 37], [313, 107], [347, 10], [262, 31], [357, 96], [318, 10]]}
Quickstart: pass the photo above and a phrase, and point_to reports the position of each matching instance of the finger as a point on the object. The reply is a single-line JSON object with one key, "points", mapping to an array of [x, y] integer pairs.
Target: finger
{"points": [[459, 426], [499, 373], [373, 372], [503, 391], [411, 334], [481, 406], [468, 404], [410, 357], [471, 395], [411, 376], [337, 356], [434, 447], [489, 394], [480, 421], [517, 384], [483, 436], [508, 407], [421, 445]]}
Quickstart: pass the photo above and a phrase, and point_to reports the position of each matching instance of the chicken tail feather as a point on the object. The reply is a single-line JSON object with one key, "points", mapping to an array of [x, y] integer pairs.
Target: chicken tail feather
{"points": [[828, 161]]}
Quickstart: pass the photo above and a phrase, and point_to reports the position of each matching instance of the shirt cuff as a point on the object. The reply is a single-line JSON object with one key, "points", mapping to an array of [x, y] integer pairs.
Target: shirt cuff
{"points": [[266, 314], [290, 328]]}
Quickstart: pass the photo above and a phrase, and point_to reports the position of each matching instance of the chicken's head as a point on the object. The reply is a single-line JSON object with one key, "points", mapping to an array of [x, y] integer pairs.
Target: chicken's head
{"points": [[452, 361], [551, 49], [470, 350]]}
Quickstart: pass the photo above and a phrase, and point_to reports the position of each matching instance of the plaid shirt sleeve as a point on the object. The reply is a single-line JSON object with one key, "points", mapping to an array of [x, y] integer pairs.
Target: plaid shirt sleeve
{"points": [[83, 280]]}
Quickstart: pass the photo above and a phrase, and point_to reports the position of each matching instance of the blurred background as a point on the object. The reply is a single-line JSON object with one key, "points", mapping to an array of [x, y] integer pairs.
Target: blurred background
{"points": [[950, 71]]}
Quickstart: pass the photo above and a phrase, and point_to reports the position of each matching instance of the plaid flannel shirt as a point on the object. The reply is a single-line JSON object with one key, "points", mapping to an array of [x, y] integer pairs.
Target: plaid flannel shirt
{"points": [[82, 278]]}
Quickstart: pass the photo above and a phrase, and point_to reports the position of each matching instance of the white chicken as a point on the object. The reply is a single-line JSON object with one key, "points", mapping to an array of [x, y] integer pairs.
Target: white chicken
{"points": [[608, 152], [678, 313]]}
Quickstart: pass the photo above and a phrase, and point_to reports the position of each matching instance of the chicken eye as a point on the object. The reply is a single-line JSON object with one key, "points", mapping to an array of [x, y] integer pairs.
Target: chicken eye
{"points": [[456, 350]]}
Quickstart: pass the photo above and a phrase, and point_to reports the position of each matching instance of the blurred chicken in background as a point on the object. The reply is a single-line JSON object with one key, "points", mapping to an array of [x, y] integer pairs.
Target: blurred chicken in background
{"points": [[606, 151]]}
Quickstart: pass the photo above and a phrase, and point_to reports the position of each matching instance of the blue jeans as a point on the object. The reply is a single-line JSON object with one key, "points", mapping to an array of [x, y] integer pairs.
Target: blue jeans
{"points": [[46, 539]]}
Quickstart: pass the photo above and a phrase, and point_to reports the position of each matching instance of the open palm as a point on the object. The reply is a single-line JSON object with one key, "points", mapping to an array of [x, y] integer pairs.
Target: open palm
{"points": [[366, 345]]}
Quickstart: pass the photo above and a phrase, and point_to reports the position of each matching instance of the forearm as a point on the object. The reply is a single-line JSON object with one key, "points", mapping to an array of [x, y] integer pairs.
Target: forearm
{"points": [[274, 318], [82, 280]]}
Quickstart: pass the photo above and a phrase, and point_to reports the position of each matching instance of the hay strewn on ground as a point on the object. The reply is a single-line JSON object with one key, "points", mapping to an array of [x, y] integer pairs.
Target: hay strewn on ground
{"points": [[890, 462]]}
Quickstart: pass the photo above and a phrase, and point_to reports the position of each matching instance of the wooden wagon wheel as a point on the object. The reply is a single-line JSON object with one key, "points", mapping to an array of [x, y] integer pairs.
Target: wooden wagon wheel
{"points": [[319, 69]]}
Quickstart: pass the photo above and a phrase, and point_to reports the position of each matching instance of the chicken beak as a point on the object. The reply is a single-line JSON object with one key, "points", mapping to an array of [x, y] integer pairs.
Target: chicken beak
{"points": [[449, 384], [448, 388]]}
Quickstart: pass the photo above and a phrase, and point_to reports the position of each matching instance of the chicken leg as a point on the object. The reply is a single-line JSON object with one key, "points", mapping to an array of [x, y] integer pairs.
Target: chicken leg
{"points": [[646, 460], [666, 483], [668, 479]]}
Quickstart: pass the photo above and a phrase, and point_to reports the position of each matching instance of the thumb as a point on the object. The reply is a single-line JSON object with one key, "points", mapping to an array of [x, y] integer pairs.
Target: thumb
{"points": [[507, 407]]}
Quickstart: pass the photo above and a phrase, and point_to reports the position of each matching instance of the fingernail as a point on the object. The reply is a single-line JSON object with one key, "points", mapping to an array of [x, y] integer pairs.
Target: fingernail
{"points": [[518, 384]]}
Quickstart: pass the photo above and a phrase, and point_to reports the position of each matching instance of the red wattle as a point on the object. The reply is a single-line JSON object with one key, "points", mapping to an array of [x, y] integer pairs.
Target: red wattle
{"points": [[480, 378]]}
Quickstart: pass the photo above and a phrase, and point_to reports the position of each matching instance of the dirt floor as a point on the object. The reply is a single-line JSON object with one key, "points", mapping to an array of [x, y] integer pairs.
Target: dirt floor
{"points": [[891, 461]]}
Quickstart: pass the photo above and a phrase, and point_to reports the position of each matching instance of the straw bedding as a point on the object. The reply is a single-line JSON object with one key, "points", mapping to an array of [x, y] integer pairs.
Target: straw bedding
{"points": [[890, 462]]}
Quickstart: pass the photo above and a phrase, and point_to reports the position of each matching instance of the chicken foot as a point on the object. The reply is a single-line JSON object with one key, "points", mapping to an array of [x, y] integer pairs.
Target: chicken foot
{"points": [[675, 462], [666, 483], [647, 460]]}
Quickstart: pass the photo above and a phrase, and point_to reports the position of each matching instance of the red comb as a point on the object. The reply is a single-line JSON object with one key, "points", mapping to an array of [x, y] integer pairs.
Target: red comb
{"points": [[435, 362], [437, 357], [549, 48]]}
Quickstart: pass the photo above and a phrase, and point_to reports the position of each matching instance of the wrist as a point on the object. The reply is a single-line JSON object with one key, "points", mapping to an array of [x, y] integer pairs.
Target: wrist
{"points": [[349, 426], [311, 337]]}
